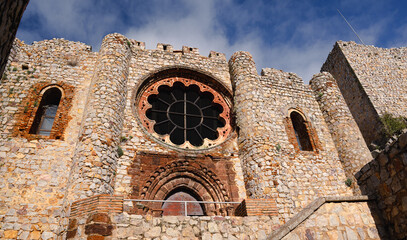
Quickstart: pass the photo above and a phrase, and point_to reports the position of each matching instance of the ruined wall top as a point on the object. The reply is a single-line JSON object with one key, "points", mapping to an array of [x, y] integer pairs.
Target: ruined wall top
{"points": [[381, 72]]}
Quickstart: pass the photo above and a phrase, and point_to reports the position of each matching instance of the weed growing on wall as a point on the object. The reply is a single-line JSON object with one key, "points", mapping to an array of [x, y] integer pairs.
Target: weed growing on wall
{"points": [[393, 125]]}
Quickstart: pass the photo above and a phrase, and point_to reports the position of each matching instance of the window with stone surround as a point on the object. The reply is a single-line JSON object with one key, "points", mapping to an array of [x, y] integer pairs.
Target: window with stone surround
{"points": [[184, 112], [46, 112], [43, 114], [300, 131]]}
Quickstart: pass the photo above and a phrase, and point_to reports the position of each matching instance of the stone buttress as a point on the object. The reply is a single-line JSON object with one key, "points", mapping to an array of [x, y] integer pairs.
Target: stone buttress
{"points": [[255, 142], [352, 149], [96, 153]]}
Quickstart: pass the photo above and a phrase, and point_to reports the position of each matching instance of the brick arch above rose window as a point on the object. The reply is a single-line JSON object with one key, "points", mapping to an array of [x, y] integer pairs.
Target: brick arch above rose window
{"points": [[176, 173]]}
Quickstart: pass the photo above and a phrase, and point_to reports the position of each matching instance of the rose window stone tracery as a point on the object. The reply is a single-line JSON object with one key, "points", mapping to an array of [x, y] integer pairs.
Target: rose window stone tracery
{"points": [[185, 113]]}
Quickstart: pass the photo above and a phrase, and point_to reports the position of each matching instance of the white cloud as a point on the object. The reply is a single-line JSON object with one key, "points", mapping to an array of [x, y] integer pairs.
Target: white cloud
{"points": [[288, 35]]}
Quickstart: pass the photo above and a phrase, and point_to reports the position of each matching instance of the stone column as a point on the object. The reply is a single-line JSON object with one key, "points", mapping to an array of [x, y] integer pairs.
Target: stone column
{"points": [[348, 139], [96, 155], [254, 134]]}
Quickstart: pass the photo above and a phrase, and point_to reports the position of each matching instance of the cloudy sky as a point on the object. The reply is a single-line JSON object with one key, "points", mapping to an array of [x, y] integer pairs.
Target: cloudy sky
{"points": [[295, 36]]}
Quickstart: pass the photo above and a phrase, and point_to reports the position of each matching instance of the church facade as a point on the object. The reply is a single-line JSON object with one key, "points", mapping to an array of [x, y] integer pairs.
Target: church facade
{"points": [[132, 143]]}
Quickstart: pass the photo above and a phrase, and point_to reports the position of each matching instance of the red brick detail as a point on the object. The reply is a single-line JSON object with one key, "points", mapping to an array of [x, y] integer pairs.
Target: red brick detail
{"points": [[95, 237], [72, 228], [97, 225], [257, 207], [155, 176], [29, 106], [97, 204]]}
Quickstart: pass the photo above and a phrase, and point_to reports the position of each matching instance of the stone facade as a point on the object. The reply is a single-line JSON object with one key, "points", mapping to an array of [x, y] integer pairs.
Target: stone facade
{"points": [[385, 179], [349, 142], [105, 168], [372, 81], [344, 220]]}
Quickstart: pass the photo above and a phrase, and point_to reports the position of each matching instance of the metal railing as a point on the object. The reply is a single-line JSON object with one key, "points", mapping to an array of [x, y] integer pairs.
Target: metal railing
{"points": [[180, 201]]}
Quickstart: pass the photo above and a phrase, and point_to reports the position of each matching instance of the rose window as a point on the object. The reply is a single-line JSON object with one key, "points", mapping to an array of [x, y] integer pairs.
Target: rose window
{"points": [[185, 113]]}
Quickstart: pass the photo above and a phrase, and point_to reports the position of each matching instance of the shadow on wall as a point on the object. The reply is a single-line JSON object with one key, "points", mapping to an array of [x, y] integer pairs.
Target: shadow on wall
{"points": [[385, 179]]}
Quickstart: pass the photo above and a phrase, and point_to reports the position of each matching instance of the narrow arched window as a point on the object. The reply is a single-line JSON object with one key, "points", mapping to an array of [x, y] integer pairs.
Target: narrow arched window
{"points": [[301, 132], [47, 110]]}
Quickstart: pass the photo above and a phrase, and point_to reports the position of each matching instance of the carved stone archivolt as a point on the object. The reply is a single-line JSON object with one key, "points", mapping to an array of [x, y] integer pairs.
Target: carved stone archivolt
{"points": [[187, 175]]}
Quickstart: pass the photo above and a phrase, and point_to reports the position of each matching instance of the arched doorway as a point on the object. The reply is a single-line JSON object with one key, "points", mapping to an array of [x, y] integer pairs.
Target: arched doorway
{"points": [[173, 207]]}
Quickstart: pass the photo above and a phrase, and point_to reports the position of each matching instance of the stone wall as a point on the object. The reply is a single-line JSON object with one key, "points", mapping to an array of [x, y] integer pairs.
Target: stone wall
{"points": [[148, 65], [385, 179], [35, 171], [273, 164], [382, 73], [349, 142], [337, 220], [181, 227], [354, 89]]}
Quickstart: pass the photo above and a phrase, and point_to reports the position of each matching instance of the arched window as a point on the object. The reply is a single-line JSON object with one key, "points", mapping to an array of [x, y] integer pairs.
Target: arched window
{"points": [[175, 208], [301, 132], [47, 110]]}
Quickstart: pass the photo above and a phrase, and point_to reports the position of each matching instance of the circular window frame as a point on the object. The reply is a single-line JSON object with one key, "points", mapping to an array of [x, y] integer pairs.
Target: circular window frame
{"points": [[142, 105]]}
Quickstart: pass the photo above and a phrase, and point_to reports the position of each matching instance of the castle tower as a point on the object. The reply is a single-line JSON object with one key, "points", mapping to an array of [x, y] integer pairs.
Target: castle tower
{"points": [[282, 137], [95, 158], [254, 134], [349, 142]]}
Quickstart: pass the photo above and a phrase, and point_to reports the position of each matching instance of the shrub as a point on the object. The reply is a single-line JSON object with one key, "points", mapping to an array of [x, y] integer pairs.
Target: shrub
{"points": [[393, 125]]}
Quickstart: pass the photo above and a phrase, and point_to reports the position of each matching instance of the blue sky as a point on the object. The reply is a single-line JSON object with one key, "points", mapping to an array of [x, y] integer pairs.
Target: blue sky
{"points": [[295, 36]]}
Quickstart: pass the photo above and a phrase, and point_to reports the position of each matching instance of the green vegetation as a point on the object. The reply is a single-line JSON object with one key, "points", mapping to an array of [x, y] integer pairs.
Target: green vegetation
{"points": [[278, 147], [348, 182], [119, 151], [393, 125]]}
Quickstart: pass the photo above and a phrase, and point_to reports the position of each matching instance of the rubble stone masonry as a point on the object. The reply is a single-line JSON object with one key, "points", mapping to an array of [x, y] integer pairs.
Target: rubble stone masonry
{"points": [[35, 171], [349, 142], [372, 81], [83, 181], [271, 159]]}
